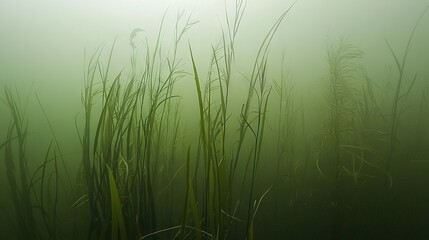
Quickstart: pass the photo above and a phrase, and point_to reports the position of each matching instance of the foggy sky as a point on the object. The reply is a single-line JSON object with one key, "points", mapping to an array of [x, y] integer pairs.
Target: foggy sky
{"points": [[43, 42]]}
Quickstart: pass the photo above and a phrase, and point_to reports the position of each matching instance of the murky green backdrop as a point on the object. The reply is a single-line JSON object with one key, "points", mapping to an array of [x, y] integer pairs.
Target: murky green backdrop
{"points": [[321, 132]]}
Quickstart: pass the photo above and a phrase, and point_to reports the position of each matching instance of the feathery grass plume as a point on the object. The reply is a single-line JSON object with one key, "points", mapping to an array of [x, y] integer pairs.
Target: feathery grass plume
{"points": [[341, 105], [347, 145]]}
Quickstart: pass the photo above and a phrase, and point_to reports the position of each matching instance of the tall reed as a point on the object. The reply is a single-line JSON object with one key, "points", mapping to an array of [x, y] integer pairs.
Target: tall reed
{"points": [[399, 94], [341, 108]]}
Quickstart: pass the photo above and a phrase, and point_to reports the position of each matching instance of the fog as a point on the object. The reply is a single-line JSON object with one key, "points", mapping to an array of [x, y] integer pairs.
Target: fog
{"points": [[45, 47], [42, 40], [43, 43]]}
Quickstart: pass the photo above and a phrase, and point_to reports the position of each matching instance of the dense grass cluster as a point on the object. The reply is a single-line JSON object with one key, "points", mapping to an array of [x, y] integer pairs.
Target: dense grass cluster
{"points": [[142, 176]]}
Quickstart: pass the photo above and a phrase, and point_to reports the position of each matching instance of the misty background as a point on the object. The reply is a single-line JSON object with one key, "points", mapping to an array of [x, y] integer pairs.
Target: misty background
{"points": [[43, 43], [45, 46]]}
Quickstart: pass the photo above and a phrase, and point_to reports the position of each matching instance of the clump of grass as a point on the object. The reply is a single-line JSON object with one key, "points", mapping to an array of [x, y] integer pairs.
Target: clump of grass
{"points": [[31, 191], [131, 138], [213, 102], [139, 184], [213, 124], [18, 179]]}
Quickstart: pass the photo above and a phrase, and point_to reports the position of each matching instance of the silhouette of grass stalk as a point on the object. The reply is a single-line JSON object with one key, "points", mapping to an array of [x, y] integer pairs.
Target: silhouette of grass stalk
{"points": [[341, 109], [28, 201], [131, 137], [395, 116], [18, 177]]}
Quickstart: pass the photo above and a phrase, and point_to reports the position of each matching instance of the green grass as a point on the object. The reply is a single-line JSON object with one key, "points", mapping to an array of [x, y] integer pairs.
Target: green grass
{"points": [[34, 193], [146, 174], [399, 94]]}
